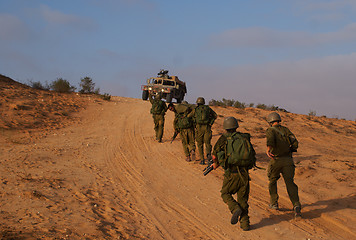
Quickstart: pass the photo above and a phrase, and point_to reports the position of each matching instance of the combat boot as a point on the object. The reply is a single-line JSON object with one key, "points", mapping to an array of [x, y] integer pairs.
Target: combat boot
{"points": [[236, 215], [202, 162], [274, 206], [297, 212], [192, 154], [245, 226], [188, 159]]}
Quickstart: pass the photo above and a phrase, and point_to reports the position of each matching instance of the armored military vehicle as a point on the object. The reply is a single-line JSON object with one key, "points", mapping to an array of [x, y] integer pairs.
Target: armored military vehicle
{"points": [[169, 86]]}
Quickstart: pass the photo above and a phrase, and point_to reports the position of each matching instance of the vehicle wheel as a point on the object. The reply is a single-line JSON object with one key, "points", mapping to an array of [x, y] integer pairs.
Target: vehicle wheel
{"points": [[181, 98], [169, 98], [144, 95]]}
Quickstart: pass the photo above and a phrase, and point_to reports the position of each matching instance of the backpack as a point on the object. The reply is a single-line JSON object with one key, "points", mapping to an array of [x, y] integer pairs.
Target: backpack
{"points": [[183, 121], [202, 114], [157, 107], [238, 151], [289, 139]]}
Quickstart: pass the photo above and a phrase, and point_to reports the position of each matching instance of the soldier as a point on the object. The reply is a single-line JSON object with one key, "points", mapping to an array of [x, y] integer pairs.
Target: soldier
{"points": [[281, 143], [204, 118], [158, 110], [184, 126], [235, 153]]}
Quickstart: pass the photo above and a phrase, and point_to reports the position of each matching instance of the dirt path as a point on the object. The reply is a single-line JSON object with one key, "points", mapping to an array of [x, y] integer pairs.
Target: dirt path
{"points": [[106, 178]]}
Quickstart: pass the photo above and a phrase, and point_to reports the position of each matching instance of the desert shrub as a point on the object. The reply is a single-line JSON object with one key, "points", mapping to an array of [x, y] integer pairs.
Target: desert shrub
{"points": [[87, 85], [39, 85], [261, 106], [106, 96], [312, 113], [61, 85], [238, 104]]}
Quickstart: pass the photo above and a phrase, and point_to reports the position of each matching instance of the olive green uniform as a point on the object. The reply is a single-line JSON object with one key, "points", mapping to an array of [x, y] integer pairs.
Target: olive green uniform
{"points": [[282, 163], [186, 134], [203, 133], [236, 181], [158, 118]]}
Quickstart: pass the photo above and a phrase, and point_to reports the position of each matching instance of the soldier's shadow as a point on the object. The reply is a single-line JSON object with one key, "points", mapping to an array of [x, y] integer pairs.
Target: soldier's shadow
{"points": [[319, 208]]}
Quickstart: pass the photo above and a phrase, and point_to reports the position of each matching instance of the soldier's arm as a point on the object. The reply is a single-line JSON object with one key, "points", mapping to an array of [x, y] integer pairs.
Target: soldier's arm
{"points": [[218, 147], [213, 116], [270, 137], [150, 98], [191, 114]]}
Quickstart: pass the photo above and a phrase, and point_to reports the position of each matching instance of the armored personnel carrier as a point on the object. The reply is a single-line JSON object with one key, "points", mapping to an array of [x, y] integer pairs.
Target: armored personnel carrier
{"points": [[169, 86]]}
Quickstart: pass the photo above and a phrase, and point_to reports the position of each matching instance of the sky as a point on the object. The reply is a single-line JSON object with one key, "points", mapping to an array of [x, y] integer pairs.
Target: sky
{"points": [[298, 55]]}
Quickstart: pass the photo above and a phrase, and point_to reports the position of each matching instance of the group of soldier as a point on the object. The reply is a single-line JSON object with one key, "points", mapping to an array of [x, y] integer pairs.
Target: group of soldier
{"points": [[193, 123]]}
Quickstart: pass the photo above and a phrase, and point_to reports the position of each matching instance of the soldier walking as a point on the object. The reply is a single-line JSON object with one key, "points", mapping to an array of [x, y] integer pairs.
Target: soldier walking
{"points": [[281, 143], [235, 153], [158, 110], [184, 126], [204, 118]]}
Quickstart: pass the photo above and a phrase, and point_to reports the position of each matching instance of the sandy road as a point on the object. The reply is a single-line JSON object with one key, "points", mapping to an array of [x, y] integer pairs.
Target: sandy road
{"points": [[174, 200], [107, 178]]}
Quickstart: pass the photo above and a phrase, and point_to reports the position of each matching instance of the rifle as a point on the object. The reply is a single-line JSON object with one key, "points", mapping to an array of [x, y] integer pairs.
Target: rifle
{"points": [[209, 168], [174, 136]]}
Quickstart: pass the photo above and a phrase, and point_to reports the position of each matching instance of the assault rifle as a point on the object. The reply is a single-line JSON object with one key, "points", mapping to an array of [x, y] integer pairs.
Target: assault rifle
{"points": [[208, 168], [174, 136]]}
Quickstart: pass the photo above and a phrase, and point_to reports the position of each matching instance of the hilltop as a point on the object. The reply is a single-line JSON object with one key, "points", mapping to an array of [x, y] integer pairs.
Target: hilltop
{"points": [[77, 167]]}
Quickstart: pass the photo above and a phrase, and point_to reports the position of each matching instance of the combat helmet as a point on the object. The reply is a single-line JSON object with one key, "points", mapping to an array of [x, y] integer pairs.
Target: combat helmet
{"points": [[230, 123], [200, 100], [273, 117]]}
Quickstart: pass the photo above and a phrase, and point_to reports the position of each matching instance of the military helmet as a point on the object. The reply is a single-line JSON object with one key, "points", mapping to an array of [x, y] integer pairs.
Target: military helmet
{"points": [[273, 117], [200, 100], [230, 123]]}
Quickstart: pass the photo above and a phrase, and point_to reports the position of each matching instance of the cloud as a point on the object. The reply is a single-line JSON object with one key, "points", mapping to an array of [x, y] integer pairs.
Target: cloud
{"points": [[57, 18], [260, 37], [12, 28]]}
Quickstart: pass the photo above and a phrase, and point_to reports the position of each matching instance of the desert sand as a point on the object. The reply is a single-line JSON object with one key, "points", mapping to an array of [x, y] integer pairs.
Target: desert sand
{"points": [[78, 167]]}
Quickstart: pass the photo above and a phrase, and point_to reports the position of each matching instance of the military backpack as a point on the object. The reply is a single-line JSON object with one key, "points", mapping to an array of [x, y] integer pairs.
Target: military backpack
{"points": [[238, 152], [183, 121], [202, 114]]}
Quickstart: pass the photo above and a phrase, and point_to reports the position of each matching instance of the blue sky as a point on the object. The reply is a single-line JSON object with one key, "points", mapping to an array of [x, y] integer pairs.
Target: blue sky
{"points": [[299, 55]]}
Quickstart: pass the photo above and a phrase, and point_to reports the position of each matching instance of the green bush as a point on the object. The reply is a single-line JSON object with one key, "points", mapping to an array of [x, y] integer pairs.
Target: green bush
{"points": [[61, 85], [87, 85], [39, 85]]}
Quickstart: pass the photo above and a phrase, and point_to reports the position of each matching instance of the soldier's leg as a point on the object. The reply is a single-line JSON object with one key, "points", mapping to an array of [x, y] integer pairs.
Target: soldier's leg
{"points": [[200, 141], [160, 127], [292, 188], [184, 138], [191, 143], [229, 188], [207, 140], [273, 176], [242, 199], [156, 125]]}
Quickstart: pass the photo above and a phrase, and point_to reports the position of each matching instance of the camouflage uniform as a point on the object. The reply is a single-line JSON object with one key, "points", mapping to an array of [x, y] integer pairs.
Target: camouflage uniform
{"points": [[236, 181], [158, 117], [186, 134], [203, 133], [282, 163]]}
